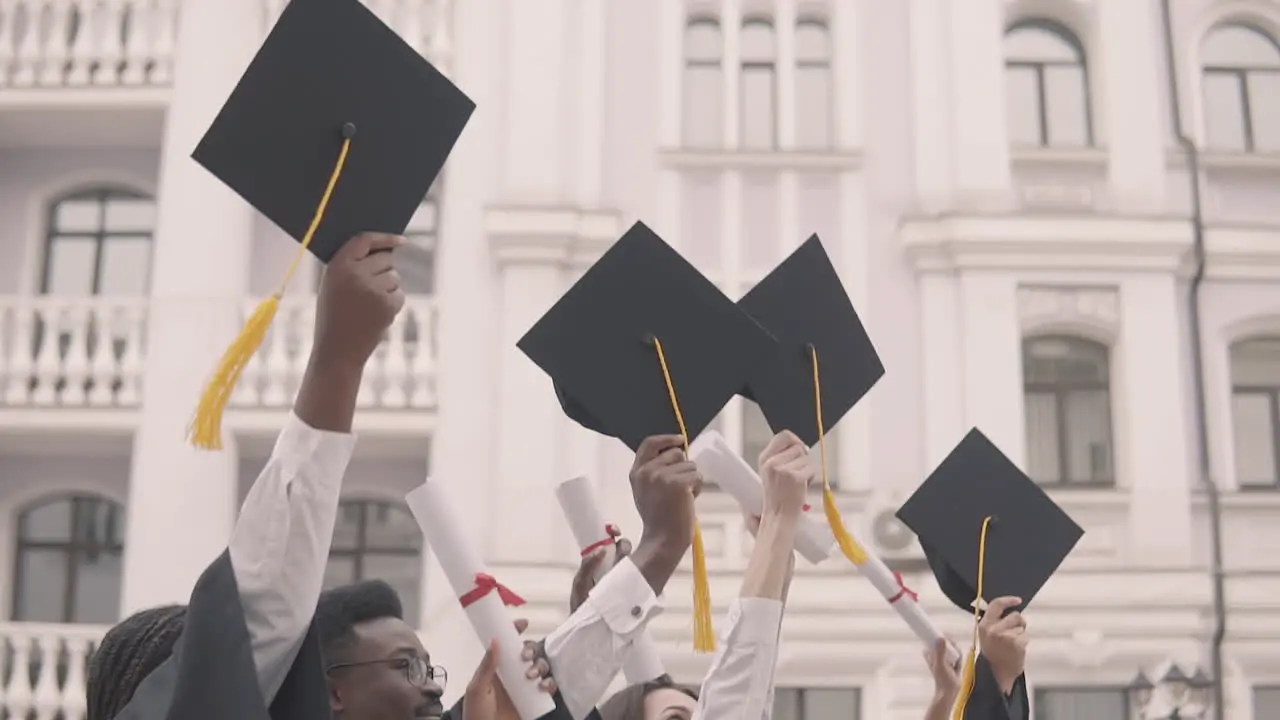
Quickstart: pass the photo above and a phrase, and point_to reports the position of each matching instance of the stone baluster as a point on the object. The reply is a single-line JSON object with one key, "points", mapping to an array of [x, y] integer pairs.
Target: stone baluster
{"points": [[75, 361]]}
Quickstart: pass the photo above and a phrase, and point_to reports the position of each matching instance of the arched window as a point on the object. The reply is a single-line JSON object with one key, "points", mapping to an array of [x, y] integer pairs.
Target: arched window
{"points": [[1067, 381], [758, 100], [1241, 71], [815, 116], [1046, 86], [380, 540], [69, 561], [1255, 410], [703, 83], [99, 243]]}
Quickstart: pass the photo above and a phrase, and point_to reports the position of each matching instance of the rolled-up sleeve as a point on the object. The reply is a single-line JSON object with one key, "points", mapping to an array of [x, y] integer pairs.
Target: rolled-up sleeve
{"points": [[739, 685], [281, 541], [588, 649]]}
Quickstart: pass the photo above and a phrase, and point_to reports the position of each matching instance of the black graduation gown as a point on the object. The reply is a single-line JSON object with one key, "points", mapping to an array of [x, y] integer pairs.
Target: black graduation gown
{"points": [[988, 701], [559, 713], [211, 674]]}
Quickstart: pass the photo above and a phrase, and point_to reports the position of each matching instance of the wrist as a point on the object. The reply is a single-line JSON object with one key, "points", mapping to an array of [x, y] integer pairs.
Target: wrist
{"points": [[656, 557], [1007, 681], [328, 364]]}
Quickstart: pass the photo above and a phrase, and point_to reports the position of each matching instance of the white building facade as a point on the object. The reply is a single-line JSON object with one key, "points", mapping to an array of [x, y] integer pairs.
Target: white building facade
{"points": [[998, 182]]}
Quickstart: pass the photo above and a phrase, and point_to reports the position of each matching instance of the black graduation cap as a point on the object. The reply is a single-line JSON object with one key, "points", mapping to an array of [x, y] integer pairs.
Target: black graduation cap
{"points": [[803, 304], [1028, 538], [337, 127], [330, 69], [600, 343]]}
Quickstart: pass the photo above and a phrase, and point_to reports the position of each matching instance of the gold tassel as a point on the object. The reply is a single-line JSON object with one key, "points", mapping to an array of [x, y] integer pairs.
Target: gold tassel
{"points": [[967, 680], [971, 660], [845, 539], [205, 431], [704, 634]]}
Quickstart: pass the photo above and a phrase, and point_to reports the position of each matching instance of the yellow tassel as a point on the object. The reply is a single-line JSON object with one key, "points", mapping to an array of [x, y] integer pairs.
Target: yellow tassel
{"points": [[966, 684], [848, 543], [206, 429], [704, 634]]}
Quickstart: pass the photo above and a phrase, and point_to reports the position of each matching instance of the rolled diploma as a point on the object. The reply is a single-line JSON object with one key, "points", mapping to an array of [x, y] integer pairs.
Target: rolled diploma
{"points": [[721, 465], [578, 501], [883, 579], [489, 617]]}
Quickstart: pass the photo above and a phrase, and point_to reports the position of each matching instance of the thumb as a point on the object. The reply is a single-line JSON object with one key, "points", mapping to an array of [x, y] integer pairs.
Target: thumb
{"points": [[997, 608]]}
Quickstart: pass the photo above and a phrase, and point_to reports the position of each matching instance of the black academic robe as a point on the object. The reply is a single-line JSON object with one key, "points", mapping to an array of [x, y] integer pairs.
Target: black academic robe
{"points": [[559, 713], [988, 701], [211, 674]]}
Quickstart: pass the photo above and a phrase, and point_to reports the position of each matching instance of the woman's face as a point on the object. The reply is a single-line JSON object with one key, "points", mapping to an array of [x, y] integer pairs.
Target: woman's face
{"points": [[669, 704]]}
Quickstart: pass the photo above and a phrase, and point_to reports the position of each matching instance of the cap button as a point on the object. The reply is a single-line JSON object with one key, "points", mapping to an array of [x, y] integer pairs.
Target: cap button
{"points": [[348, 130], [649, 339]]}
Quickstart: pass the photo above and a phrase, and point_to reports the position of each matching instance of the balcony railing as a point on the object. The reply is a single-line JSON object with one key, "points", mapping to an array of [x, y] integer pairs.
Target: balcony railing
{"points": [[33, 687], [87, 352], [114, 43]]}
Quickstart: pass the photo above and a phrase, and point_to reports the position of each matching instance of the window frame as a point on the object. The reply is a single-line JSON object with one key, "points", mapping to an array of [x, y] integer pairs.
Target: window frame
{"points": [[1272, 393], [100, 194], [1038, 697], [1240, 74], [1038, 67], [74, 548], [801, 699], [360, 548], [747, 68], [1060, 391], [827, 66], [691, 64]]}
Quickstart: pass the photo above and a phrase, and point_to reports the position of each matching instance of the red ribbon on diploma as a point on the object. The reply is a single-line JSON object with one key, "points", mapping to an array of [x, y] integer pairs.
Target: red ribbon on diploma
{"points": [[806, 508], [486, 584], [612, 531], [903, 590]]}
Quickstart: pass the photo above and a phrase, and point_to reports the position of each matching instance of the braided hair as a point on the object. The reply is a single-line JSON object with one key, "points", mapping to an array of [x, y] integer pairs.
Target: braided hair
{"points": [[128, 653]]}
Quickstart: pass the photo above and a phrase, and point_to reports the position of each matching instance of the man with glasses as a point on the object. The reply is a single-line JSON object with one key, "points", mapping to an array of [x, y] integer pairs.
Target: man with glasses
{"points": [[378, 669]]}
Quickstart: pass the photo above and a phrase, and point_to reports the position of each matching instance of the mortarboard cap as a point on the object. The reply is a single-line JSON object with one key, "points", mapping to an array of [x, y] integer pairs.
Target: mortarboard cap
{"points": [[1028, 538], [598, 343], [337, 127], [803, 304]]}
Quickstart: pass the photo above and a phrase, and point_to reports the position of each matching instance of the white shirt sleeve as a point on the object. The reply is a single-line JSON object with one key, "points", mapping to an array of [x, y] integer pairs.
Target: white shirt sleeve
{"points": [[280, 544], [739, 685], [588, 649]]}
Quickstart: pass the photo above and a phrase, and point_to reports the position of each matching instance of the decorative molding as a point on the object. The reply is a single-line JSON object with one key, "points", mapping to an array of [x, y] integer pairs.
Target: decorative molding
{"points": [[1043, 309], [569, 237], [693, 159]]}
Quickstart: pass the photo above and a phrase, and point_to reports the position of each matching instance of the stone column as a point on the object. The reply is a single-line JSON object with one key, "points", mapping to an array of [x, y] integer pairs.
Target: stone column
{"points": [[182, 502], [992, 360], [979, 131], [1130, 76]]}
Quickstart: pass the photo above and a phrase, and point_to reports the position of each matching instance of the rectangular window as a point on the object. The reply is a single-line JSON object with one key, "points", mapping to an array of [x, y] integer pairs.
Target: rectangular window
{"points": [[1082, 704], [817, 704]]}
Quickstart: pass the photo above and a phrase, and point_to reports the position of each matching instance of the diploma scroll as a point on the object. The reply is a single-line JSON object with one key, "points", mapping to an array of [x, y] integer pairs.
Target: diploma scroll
{"points": [[578, 501], [906, 603], [724, 467], [484, 599]]}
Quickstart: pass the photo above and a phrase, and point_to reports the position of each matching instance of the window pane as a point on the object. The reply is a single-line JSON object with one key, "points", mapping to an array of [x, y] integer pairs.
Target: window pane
{"points": [[1239, 46], [758, 108], [1043, 461], [98, 579], [346, 533], [786, 704], [1254, 438], [1038, 44], [702, 43], [703, 105], [1256, 362], [1224, 111], [71, 265], [130, 215], [126, 265], [1066, 103], [1266, 702], [1022, 105], [1264, 110], [43, 586], [827, 704], [402, 572], [1082, 705], [417, 268], [339, 570], [813, 107], [813, 42], [77, 216], [392, 527], [1088, 417], [47, 522]]}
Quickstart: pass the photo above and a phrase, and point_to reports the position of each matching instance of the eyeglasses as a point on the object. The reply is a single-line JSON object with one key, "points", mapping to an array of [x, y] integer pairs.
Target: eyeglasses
{"points": [[415, 669]]}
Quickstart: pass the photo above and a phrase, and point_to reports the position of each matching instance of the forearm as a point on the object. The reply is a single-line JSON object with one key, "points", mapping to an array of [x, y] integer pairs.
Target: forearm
{"points": [[768, 573], [327, 396], [939, 708]]}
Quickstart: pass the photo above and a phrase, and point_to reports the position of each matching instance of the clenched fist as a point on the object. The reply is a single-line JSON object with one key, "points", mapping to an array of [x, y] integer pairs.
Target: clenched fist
{"points": [[359, 298], [786, 472]]}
